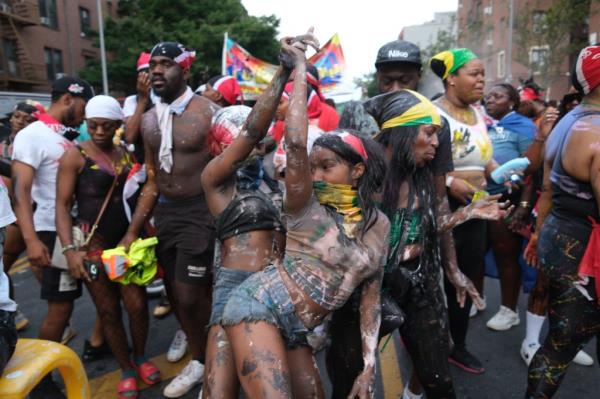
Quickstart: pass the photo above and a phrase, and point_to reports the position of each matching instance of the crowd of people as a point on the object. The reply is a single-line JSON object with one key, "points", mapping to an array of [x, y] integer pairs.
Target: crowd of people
{"points": [[284, 228]]}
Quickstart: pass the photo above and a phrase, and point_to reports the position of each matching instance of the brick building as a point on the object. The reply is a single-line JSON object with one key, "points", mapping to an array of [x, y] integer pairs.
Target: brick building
{"points": [[40, 39], [484, 26]]}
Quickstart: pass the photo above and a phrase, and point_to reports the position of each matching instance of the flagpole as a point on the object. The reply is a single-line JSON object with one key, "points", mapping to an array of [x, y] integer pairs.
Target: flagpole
{"points": [[224, 55]]}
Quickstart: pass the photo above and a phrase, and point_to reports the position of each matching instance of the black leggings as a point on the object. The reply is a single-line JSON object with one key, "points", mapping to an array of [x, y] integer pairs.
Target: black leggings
{"points": [[470, 244], [573, 318], [424, 332]]}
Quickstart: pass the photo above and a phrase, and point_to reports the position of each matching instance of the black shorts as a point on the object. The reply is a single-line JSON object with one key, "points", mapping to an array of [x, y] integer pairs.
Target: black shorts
{"points": [[186, 240], [57, 284]]}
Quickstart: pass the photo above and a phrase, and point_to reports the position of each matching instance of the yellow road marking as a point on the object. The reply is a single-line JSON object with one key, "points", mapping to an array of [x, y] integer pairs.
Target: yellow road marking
{"points": [[105, 386], [390, 370], [19, 266]]}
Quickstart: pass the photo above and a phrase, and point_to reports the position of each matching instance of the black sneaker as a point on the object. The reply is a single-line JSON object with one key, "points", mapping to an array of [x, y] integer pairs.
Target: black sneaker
{"points": [[47, 389], [461, 358], [92, 353]]}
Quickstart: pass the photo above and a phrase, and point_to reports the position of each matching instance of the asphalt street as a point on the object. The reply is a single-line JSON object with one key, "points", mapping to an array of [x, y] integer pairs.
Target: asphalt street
{"points": [[505, 375]]}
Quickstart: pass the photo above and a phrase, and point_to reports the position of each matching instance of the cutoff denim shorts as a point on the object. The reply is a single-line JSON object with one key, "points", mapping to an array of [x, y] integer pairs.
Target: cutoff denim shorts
{"points": [[226, 280], [264, 297]]}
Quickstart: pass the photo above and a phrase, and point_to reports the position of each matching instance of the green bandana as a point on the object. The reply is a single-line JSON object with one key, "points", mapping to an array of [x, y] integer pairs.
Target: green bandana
{"points": [[447, 62]]}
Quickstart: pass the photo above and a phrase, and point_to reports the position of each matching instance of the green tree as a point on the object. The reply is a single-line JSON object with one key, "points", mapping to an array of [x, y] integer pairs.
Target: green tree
{"points": [[367, 84], [198, 24], [556, 33]]}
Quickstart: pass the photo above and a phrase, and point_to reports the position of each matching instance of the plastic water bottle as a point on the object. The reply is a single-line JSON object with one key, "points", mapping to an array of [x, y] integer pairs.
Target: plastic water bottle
{"points": [[504, 172]]}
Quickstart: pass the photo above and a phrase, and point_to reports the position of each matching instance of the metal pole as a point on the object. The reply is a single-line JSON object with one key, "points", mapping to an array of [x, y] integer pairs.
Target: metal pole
{"points": [[509, 57], [224, 54], [102, 49]]}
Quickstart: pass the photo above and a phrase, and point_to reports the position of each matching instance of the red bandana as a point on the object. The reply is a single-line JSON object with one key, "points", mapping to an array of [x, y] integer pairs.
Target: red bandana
{"points": [[587, 70]]}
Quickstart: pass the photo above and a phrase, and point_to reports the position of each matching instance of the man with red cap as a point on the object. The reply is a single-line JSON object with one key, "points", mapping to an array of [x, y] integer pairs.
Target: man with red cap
{"points": [[223, 90], [174, 133], [568, 243]]}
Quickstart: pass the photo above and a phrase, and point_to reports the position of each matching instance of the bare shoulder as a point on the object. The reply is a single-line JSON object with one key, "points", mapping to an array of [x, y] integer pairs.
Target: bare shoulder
{"points": [[72, 158], [589, 124], [381, 227], [149, 120], [202, 107]]}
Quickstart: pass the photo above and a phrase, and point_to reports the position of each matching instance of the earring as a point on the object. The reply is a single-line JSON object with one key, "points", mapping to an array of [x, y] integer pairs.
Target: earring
{"points": [[451, 84]]}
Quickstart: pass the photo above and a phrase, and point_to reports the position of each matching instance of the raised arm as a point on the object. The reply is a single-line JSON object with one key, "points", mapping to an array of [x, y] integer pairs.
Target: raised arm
{"points": [[66, 179], [298, 179], [145, 202], [535, 152], [222, 168], [133, 123]]}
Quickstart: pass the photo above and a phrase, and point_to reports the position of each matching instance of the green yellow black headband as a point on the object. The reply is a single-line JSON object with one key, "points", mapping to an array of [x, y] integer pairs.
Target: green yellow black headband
{"points": [[447, 62], [423, 112]]}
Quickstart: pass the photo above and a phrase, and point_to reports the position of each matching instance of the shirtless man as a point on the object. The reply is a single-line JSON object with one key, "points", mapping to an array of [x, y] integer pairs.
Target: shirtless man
{"points": [[174, 133]]}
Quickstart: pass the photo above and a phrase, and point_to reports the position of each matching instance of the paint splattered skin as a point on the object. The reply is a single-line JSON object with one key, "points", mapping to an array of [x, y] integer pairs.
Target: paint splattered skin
{"points": [[249, 251], [190, 155]]}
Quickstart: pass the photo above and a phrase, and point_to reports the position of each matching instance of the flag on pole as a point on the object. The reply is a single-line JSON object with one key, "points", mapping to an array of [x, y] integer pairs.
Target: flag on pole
{"points": [[252, 74], [330, 63]]}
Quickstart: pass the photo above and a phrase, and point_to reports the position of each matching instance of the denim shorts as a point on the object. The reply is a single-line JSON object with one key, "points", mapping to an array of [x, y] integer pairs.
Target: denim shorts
{"points": [[264, 297], [226, 280]]}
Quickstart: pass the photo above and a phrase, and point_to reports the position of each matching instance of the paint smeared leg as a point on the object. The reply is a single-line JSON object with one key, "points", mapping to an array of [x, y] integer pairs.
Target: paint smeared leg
{"points": [[220, 377], [306, 382], [260, 360]]}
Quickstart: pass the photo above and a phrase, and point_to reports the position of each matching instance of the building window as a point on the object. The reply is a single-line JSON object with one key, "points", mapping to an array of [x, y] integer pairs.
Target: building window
{"points": [[538, 20], [12, 60], [48, 15], [54, 63], [85, 20], [501, 64], [538, 58]]}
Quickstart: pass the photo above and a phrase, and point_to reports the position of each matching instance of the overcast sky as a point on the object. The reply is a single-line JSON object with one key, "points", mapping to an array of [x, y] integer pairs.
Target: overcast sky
{"points": [[363, 26]]}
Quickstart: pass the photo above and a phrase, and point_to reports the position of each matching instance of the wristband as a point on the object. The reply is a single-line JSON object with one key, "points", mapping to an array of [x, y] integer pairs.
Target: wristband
{"points": [[539, 140], [524, 204], [449, 180], [69, 248]]}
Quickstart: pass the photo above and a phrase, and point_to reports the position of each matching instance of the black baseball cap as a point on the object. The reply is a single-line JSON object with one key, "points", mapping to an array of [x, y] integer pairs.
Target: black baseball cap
{"points": [[74, 86], [398, 51]]}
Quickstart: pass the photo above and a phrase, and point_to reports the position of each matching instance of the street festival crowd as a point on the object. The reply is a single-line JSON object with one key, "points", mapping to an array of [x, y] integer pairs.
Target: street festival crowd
{"points": [[285, 228]]}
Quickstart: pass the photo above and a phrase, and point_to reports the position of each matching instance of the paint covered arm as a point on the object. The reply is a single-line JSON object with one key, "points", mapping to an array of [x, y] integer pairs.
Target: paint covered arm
{"points": [[461, 283], [221, 169], [486, 209], [370, 320], [298, 180]]}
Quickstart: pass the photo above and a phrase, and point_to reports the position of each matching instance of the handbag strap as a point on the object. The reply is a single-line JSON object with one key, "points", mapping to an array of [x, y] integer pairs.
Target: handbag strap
{"points": [[102, 209]]}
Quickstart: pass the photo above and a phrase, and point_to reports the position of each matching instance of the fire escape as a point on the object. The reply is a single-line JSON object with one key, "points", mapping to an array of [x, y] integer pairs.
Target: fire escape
{"points": [[17, 71]]}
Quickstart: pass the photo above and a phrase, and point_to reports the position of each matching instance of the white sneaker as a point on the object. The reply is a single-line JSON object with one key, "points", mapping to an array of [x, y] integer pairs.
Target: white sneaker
{"points": [[190, 376], [528, 351], [583, 359], [473, 312], [178, 347], [503, 320]]}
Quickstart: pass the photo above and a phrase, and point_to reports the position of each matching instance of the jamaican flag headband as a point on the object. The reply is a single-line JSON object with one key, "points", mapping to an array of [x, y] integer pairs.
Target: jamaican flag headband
{"points": [[402, 108], [449, 61]]}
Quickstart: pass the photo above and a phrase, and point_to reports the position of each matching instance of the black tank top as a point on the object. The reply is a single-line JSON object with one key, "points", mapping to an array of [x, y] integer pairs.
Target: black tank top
{"points": [[573, 201], [249, 210], [93, 184]]}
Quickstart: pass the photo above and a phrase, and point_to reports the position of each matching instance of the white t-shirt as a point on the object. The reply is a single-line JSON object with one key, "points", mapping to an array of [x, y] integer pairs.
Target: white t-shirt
{"points": [[131, 102], [41, 148], [6, 214]]}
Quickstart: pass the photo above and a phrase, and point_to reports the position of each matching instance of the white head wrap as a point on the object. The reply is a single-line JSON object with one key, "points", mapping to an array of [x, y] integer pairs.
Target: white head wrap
{"points": [[104, 107]]}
